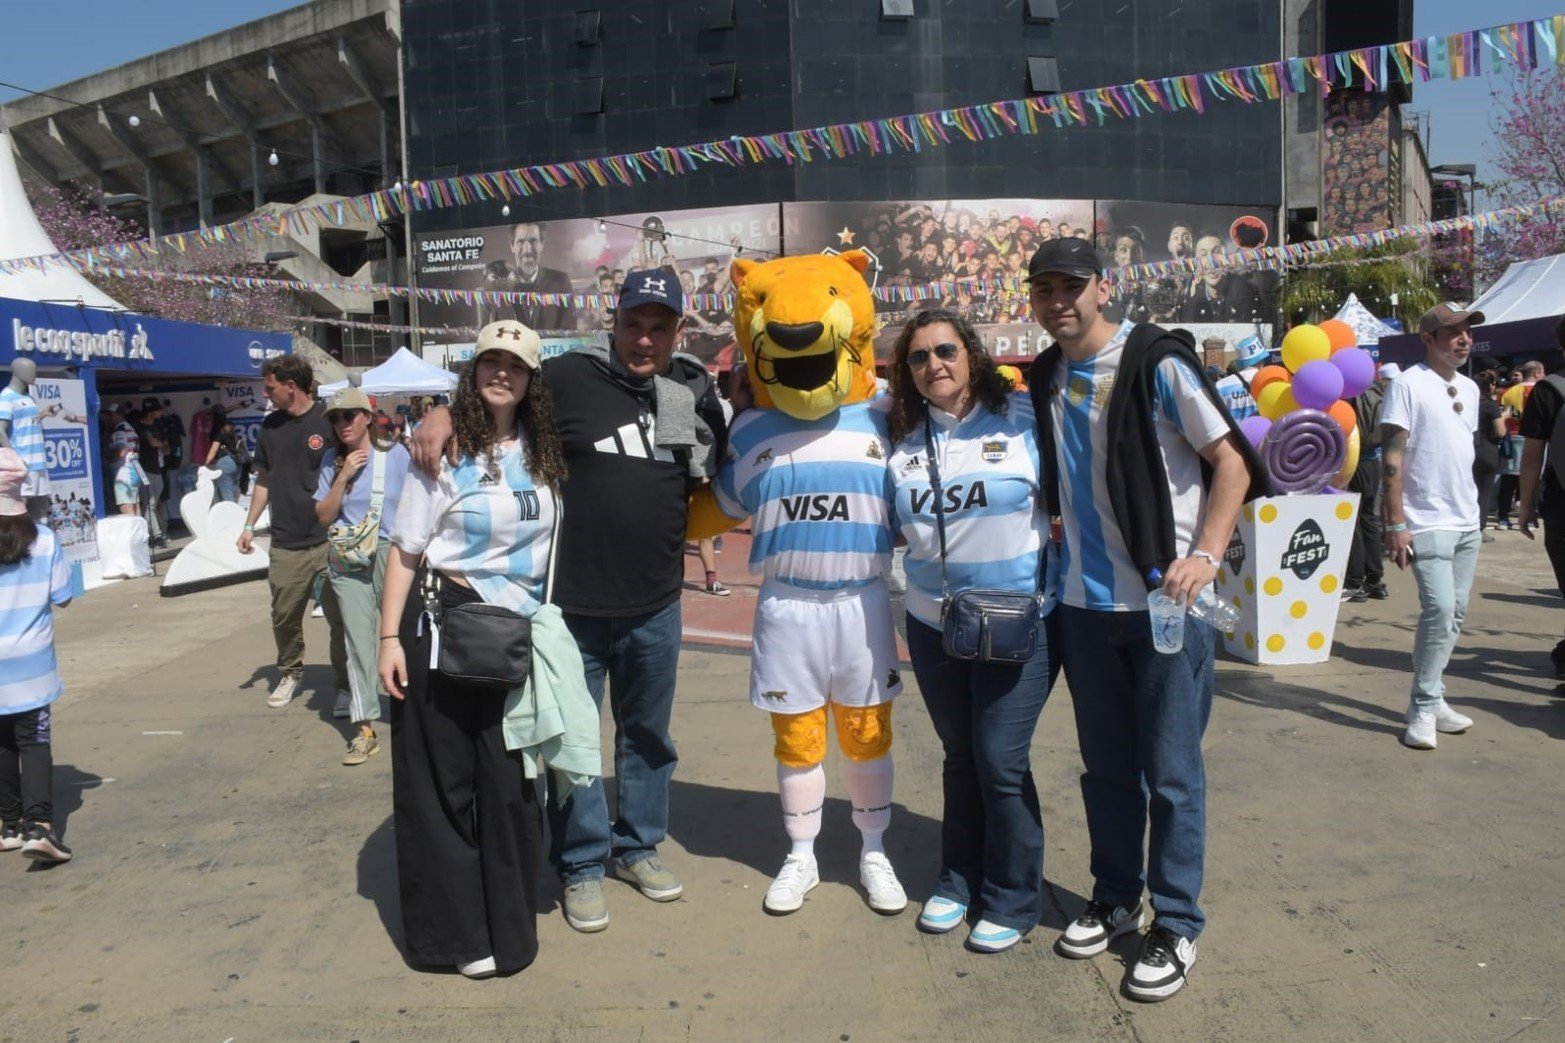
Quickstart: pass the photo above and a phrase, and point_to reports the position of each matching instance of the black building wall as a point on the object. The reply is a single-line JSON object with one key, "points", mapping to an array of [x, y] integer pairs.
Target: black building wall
{"points": [[492, 84]]}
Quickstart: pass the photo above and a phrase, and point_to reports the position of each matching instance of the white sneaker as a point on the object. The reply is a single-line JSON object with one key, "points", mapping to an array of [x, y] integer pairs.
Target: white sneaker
{"points": [[484, 968], [880, 884], [319, 611], [283, 694], [344, 704], [1161, 969], [1449, 721], [798, 877], [1420, 731]]}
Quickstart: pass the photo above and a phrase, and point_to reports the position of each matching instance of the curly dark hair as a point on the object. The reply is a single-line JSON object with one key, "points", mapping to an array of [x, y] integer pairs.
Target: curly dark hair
{"points": [[17, 533], [908, 407], [474, 431]]}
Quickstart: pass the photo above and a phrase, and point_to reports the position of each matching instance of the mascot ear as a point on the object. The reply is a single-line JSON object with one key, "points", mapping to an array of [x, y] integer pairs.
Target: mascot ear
{"points": [[739, 269], [857, 258]]}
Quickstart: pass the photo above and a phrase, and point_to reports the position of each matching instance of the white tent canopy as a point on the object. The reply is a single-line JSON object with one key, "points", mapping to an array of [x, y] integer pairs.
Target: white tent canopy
{"points": [[1369, 329], [22, 236], [1528, 290], [402, 374]]}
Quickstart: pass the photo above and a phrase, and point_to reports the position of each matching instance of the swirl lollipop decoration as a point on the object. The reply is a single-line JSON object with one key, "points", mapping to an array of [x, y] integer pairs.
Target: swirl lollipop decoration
{"points": [[1304, 450]]}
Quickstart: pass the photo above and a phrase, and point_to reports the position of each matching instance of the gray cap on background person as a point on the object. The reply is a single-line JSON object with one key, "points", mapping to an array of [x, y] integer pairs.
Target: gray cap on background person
{"points": [[1443, 315]]}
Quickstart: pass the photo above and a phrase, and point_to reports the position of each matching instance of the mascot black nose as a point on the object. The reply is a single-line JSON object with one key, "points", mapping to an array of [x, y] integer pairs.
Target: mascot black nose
{"points": [[795, 337]]}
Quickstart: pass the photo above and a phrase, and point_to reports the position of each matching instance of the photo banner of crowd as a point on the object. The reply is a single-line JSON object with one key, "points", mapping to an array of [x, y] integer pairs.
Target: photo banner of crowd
{"points": [[972, 254]]}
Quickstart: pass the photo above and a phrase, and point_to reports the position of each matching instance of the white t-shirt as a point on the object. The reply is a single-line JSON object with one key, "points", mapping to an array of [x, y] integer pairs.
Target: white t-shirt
{"points": [[1095, 567], [1438, 490]]}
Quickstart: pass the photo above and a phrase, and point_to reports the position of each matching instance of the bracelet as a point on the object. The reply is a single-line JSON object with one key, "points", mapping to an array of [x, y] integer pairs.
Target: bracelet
{"points": [[249, 528], [1398, 527], [1204, 556], [391, 637]]}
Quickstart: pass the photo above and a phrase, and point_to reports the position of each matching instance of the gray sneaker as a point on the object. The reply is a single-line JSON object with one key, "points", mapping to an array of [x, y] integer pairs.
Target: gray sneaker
{"points": [[282, 695], [654, 879], [361, 749], [585, 908]]}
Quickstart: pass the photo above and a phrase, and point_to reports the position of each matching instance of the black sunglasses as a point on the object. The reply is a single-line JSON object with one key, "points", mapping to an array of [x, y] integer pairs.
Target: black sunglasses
{"points": [[918, 358], [1450, 389]]}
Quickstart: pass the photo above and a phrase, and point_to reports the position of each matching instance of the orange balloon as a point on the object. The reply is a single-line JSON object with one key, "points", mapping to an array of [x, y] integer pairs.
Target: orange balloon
{"points": [[1267, 375], [1342, 412], [1340, 334]]}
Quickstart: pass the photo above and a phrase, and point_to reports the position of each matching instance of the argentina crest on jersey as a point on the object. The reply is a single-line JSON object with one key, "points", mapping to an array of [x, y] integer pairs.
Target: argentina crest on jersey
{"points": [[994, 452]]}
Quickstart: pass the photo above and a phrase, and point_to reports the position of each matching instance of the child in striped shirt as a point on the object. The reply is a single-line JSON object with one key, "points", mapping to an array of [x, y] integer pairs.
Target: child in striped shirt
{"points": [[33, 577]]}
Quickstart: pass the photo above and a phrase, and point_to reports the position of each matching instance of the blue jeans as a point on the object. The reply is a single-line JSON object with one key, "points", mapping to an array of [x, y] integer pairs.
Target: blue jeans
{"points": [[1443, 564], [639, 656], [226, 485], [991, 833], [1140, 716]]}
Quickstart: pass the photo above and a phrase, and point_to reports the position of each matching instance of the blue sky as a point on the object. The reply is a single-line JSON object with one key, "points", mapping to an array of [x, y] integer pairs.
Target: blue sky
{"points": [[61, 41]]}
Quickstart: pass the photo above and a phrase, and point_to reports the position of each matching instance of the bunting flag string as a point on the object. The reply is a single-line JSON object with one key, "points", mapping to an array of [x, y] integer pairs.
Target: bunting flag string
{"points": [[1292, 255], [1522, 45]]}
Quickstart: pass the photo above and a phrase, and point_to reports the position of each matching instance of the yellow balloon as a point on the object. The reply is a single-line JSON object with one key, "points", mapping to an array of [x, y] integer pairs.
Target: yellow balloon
{"points": [[1350, 464], [1305, 344], [1276, 400]]}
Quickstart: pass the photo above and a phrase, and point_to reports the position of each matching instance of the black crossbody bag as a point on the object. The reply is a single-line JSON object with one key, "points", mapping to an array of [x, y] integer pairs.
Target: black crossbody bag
{"points": [[989, 626], [488, 646]]}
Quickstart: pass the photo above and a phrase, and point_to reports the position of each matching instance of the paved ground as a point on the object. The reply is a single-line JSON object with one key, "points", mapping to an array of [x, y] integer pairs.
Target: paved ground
{"points": [[232, 882]]}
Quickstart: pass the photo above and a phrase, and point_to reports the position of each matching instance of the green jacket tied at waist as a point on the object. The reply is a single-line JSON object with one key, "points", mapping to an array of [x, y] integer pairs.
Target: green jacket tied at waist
{"points": [[552, 718]]}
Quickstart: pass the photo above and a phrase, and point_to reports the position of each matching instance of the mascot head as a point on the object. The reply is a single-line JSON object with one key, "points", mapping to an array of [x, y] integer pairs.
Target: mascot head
{"points": [[807, 328]]}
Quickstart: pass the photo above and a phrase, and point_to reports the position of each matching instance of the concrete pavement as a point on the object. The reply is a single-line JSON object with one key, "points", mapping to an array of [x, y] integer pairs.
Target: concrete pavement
{"points": [[232, 882]]}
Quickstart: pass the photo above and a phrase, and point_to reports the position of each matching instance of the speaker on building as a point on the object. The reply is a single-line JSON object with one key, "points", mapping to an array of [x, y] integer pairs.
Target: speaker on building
{"points": [[589, 28], [717, 14], [722, 81], [1043, 75], [587, 96], [896, 10], [1041, 12]]}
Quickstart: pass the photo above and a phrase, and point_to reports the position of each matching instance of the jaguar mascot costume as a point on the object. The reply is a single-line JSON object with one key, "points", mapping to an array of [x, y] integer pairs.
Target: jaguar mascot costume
{"points": [[808, 465]]}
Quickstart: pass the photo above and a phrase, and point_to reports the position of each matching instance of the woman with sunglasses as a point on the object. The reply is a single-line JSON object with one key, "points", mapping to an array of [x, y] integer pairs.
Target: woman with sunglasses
{"points": [[955, 420], [468, 823], [361, 475]]}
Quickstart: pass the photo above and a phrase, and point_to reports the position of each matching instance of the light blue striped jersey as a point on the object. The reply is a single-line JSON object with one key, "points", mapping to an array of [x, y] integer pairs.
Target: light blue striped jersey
{"points": [[988, 465], [818, 492], [26, 428], [29, 674], [494, 533], [1235, 392], [1095, 568]]}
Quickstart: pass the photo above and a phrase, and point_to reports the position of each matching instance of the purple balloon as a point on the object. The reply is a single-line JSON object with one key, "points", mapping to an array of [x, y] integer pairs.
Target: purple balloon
{"points": [[1317, 384], [1357, 369], [1304, 450], [1254, 429]]}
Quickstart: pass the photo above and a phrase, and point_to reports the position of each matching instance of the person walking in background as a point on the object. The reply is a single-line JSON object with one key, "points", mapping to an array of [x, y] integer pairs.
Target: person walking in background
{"points": [[1366, 574], [34, 580], [1543, 466], [468, 828], [946, 388], [1429, 505], [223, 457], [1486, 449], [356, 498], [288, 455]]}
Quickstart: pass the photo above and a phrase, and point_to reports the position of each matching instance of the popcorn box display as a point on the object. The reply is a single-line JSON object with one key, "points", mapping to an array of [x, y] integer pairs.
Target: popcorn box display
{"points": [[1283, 571]]}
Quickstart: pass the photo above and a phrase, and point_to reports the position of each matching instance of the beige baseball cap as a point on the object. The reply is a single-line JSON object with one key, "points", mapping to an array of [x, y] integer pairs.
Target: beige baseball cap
{"points": [[349, 398], [510, 335], [1443, 315]]}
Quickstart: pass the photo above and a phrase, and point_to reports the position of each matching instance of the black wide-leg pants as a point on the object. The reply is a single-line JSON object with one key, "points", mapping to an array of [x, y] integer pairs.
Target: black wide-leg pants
{"points": [[468, 825]]}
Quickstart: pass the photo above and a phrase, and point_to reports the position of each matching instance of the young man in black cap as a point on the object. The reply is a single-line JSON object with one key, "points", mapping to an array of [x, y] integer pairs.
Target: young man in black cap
{"points": [[632, 421], [1127, 423]]}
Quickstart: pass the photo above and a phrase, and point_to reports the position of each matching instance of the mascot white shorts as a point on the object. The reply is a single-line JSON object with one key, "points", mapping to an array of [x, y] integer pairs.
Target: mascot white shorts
{"points": [[812, 647]]}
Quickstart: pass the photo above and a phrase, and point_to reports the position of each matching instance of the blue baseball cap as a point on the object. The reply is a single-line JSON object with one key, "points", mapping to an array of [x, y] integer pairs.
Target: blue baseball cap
{"points": [[1251, 352], [653, 286]]}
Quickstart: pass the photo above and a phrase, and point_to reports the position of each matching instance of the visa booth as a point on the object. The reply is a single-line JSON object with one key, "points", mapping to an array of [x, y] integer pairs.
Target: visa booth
{"points": [[87, 357]]}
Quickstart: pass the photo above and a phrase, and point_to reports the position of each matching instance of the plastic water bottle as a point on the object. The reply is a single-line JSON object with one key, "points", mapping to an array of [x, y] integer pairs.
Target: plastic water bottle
{"points": [[1167, 615]]}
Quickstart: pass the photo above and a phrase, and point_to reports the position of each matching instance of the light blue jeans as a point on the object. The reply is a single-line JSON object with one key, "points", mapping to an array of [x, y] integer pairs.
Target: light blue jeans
{"points": [[1444, 561]]}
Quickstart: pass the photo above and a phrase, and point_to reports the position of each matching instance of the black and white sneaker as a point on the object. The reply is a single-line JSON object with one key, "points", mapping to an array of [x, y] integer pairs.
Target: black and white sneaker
{"points": [[43, 846], [1099, 924], [1160, 971], [10, 836]]}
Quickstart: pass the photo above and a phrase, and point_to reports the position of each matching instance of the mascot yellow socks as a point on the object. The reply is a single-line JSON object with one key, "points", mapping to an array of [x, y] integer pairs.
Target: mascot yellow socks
{"points": [[808, 464]]}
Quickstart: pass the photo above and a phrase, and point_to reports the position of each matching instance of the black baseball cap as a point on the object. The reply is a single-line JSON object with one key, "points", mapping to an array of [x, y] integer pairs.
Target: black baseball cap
{"points": [[653, 286], [1066, 256]]}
